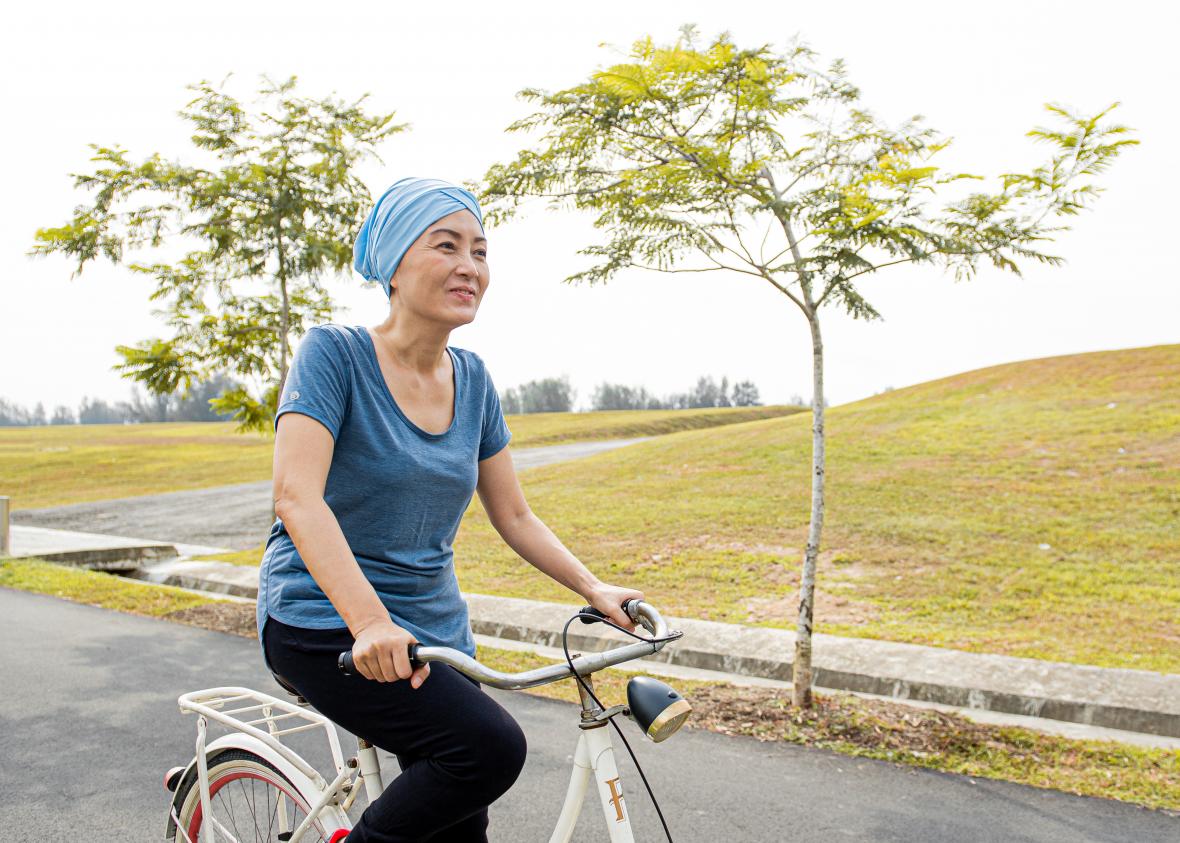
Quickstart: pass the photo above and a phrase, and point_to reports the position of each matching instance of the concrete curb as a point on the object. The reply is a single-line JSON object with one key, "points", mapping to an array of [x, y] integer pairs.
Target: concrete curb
{"points": [[110, 558], [215, 577], [1128, 700], [87, 550]]}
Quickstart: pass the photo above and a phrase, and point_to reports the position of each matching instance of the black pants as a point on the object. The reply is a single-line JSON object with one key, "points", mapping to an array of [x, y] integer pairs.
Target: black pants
{"points": [[459, 750]]}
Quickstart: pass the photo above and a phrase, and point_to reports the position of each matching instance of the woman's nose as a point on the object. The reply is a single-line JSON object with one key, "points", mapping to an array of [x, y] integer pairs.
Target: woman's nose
{"points": [[472, 267]]}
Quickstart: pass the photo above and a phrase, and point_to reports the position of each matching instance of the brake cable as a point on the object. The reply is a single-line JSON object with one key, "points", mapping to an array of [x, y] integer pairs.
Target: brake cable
{"points": [[589, 617]]}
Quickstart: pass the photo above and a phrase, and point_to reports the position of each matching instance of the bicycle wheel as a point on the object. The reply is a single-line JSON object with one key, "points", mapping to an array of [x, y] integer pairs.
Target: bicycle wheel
{"points": [[249, 797]]}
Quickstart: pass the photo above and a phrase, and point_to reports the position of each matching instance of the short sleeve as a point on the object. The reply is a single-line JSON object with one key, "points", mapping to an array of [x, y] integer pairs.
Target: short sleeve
{"points": [[318, 382], [495, 430]]}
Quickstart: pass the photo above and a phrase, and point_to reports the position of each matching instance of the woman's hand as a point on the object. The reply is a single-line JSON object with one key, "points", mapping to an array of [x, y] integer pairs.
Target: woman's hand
{"points": [[608, 599], [381, 652]]}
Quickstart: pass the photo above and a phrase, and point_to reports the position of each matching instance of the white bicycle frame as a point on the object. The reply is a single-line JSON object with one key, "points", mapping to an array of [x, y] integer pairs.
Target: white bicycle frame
{"points": [[594, 756], [594, 759]]}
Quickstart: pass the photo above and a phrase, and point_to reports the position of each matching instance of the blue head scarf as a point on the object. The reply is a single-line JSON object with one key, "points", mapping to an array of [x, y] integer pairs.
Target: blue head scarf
{"points": [[404, 211]]}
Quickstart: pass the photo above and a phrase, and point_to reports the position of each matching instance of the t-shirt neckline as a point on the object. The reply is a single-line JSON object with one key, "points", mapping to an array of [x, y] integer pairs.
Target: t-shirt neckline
{"points": [[375, 370]]}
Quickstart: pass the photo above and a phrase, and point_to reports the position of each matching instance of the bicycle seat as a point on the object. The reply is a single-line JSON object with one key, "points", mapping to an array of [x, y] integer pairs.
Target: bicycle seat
{"points": [[287, 686]]}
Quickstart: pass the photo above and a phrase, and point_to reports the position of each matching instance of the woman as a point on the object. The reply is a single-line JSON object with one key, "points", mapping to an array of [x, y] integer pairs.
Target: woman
{"points": [[386, 433]]}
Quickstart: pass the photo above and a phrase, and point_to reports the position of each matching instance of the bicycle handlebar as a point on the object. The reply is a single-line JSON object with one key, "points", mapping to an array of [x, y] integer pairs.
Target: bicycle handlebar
{"points": [[639, 611]]}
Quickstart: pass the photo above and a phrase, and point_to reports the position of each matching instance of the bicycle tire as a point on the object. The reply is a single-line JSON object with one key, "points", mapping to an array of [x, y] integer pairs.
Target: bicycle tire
{"points": [[246, 807]]}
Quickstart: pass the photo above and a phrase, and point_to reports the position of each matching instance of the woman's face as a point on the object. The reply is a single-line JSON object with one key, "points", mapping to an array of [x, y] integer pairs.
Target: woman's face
{"points": [[444, 274]]}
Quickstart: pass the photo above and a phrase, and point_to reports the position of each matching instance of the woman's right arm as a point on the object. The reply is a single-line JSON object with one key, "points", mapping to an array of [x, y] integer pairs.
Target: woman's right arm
{"points": [[303, 455]]}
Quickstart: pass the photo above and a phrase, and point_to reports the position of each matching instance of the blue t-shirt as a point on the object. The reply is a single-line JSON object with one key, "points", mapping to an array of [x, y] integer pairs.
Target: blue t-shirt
{"points": [[397, 491]]}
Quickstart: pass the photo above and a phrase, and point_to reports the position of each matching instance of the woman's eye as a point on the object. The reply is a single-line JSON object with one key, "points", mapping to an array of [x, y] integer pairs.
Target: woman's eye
{"points": [[480, 252]]}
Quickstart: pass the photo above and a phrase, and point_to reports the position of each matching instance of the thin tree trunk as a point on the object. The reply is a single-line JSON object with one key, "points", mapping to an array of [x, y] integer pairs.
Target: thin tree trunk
{"points": [[284, 346], [284, 343], [285, 318], [802, 674]]}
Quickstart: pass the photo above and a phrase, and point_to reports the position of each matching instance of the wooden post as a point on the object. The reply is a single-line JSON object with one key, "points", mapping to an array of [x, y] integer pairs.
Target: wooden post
{"points": [[5, 545]]}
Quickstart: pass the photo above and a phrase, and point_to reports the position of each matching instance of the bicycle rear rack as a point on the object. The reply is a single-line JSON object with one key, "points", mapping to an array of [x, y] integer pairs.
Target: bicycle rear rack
{"points": [[210, 704]]}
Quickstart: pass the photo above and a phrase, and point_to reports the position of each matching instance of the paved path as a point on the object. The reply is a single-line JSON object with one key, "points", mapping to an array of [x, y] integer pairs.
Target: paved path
{"points": [[236, 516], [88, 724]]}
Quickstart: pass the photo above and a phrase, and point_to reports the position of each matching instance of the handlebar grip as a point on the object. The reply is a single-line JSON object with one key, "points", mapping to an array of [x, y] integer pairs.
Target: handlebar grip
{"points": [[599, 616], [348, 666]]}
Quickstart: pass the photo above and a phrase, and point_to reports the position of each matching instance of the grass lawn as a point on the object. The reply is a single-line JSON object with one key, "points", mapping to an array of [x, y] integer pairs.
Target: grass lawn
{"points": [[97, 589], [54, 465], [839, 722], [1030, 509]]}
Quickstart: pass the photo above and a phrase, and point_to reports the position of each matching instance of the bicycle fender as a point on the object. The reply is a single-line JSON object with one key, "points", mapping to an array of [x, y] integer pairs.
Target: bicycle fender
{"points": [[332, 815]]}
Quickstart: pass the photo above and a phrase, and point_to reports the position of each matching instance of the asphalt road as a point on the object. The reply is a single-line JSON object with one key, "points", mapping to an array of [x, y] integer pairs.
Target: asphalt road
{"points": [[89, 723], [236, 516]]}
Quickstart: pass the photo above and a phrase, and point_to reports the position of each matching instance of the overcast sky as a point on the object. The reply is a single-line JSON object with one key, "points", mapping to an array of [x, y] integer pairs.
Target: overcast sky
{"points": [[115, 73]]}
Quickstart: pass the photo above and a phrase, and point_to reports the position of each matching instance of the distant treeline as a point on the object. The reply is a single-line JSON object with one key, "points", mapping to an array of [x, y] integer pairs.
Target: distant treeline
{"points": [[141, 408], [555, 395], [549, 395]]}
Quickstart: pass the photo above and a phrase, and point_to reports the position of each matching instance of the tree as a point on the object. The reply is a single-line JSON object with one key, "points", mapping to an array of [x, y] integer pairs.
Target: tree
{"points": [[12, 414], [616, 396], [706, 394], [97, 411], [279, 212], [510, 402], [62, 415], [150, 408], [745, 394], [550, 395], [199, 402], [610, 396], [683, 150]]}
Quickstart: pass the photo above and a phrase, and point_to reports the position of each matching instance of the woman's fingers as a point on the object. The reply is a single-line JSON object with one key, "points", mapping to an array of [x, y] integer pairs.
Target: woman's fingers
{"points": [[384, 655], [611, 606], [419, 676], [401, 659], [362, 667], [388, 664]]}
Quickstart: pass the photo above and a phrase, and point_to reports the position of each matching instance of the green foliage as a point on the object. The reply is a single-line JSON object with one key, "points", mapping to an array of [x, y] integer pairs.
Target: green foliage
{"points": [[684, 149], [276, 215], [548, 395]]}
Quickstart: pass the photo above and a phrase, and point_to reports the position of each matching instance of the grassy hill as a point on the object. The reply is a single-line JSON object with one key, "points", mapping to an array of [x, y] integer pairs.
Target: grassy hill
{"points": [[49, 466], [1031, 509]]}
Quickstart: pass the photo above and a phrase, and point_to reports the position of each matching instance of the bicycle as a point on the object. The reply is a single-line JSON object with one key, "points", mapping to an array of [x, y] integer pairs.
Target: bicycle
{"points": [[307, 807]]}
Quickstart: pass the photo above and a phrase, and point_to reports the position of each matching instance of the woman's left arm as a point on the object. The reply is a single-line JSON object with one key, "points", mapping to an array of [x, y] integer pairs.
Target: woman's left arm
{"points": [[502, 499]]}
